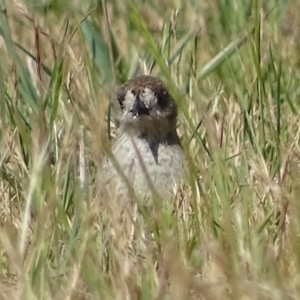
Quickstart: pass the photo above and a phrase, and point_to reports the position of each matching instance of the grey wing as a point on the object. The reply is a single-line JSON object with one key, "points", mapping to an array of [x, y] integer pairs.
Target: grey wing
{"points": [[105, 180], [111, 185]]}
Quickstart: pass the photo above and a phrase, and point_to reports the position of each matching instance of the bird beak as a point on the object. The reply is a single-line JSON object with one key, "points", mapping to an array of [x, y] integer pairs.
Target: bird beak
{"points": [[139, 108]]}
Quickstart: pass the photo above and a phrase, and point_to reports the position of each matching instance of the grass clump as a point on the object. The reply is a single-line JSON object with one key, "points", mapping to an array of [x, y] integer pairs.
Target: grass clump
{"points": [[232, 230]]}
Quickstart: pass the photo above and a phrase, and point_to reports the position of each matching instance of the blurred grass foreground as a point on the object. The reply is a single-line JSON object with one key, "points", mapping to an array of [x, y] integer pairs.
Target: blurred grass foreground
{"points": [[233, 229]]}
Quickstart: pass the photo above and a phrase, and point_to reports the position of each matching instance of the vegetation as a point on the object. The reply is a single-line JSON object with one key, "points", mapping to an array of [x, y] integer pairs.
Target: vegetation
{"points": [[233, 229]]}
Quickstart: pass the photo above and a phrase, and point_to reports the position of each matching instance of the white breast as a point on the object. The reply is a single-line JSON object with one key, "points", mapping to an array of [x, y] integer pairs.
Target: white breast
{"points": [[160, 163]]}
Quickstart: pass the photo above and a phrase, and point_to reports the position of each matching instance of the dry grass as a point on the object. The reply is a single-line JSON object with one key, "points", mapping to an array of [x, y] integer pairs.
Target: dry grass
{"points": [[231, 231]]}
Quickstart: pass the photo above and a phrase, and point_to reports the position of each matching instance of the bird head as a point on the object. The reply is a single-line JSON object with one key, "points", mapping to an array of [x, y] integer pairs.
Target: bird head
{"points": [[145, 107]]}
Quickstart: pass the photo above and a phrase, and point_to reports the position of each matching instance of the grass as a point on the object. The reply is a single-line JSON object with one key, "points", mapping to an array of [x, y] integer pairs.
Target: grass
{"points": [[231, 231]]}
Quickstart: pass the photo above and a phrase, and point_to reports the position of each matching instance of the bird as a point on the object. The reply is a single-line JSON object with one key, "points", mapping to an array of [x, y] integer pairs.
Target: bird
{"points": [[146, 154]]}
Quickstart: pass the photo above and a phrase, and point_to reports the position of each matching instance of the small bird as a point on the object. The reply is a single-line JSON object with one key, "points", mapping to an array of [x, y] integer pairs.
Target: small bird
{"points": [[146, 148]]}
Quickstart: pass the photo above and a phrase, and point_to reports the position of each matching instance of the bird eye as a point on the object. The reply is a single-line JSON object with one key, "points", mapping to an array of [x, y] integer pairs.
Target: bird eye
{"points": [[121, 98], [121, 103], [162, 99]]}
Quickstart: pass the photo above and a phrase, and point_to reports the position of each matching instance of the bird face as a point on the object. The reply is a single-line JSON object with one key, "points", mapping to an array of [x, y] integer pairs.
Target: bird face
{"points": [[146, 107]]}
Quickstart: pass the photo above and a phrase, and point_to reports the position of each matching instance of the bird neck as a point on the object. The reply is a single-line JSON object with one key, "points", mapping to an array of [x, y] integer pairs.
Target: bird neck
{"points": [[150, 137]]}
